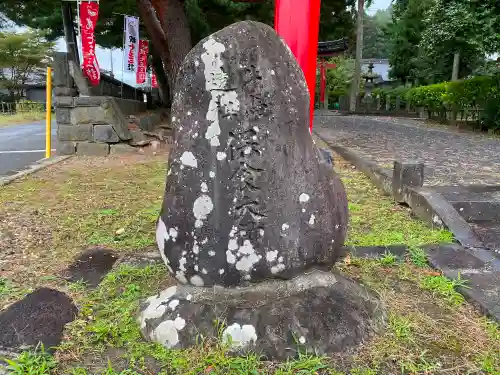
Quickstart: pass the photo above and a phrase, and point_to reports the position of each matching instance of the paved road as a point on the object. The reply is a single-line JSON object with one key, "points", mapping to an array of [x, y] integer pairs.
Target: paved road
{"points": [[21, 145], [450, 157]]}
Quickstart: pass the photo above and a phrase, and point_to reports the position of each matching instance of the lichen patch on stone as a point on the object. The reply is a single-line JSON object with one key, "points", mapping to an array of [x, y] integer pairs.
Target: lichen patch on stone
{"points": [[196, 280], [167, 332], [188, 159], [304, 198], [239, 336]]}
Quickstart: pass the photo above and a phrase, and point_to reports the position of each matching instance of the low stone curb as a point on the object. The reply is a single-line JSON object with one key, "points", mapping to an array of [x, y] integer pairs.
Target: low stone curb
{"points": [[37, 166], [426, 203], [482, 275]]}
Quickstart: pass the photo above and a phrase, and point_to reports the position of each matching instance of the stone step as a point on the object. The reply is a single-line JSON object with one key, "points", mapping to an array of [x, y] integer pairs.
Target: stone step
{"points": [[489, 233], [475, 203]]}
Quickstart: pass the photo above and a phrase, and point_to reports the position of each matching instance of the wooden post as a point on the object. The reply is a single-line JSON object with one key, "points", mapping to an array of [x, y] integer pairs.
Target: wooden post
{"points": [[359, 56]]}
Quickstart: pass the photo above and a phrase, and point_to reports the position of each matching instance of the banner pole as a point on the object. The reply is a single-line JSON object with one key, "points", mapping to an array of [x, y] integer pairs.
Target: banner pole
{"points": [[48, 114], [123, 54]]}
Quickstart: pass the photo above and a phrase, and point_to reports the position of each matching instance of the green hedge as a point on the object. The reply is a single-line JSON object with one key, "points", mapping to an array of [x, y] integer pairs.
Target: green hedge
{"points": [[473, 93]]}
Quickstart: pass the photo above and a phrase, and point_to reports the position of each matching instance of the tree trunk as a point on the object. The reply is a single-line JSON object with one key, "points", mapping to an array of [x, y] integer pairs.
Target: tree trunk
{"points": [[161, 78], [359, 56], [168, 29], [456, 66], [176, 29]]}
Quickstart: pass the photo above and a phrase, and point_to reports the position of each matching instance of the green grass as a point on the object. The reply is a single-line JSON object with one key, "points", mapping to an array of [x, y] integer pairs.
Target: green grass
{"points": [[112, 203], [37, 362], [430, 328], [445, 288], [20, 118], [376, 220]]}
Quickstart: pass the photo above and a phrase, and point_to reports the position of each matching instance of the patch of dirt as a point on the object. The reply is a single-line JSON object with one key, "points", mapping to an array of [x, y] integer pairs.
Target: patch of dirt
{"points": [[91, 266], [38, 317]]}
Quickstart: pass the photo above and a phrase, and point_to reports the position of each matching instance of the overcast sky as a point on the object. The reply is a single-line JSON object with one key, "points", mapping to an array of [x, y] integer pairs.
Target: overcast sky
{"points": [[379, 4]]}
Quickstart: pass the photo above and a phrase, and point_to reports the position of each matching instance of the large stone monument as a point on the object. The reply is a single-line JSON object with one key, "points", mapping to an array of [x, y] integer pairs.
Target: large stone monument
{"points": [[251, 216]]}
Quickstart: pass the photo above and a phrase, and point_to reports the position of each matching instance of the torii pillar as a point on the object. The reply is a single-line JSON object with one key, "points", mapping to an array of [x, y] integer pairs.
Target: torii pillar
{"points": [[297, 22]]}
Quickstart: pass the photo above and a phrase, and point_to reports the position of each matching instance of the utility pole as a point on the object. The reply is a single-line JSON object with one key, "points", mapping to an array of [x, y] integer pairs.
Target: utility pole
{"points": [[359, 56], [456, 66]]}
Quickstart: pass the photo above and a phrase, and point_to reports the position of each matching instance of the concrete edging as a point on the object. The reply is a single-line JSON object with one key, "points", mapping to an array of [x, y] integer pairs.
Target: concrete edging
{"points": [[37, 166], [426, 203]]}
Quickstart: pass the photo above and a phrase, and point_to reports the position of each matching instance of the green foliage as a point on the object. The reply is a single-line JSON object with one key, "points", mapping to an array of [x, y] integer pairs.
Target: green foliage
{"points": [[24, 106], [338, 80], [37, 362], [400, 327], [388, 259], [405, 35], [444, 287], [418, 256], [469, 94], [204, 17], [450, 26], [376, 36], [23, 57]]}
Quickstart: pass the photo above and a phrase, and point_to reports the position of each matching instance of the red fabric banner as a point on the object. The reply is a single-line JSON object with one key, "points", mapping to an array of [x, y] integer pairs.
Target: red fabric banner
{"points": [[89, 11], [143, 62], [154, 82]]}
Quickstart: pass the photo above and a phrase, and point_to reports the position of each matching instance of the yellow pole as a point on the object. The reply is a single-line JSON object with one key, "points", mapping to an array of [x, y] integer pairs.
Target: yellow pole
{"points": [[48, 116]]}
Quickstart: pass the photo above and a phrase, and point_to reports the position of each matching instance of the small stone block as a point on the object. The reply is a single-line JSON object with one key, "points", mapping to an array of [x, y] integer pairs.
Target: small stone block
{"points": [[406, 174], [64, 101], [64, 91], [105, 134], [92, 149], [74, 133], [89, 101], [63, 115], [66, 148]]}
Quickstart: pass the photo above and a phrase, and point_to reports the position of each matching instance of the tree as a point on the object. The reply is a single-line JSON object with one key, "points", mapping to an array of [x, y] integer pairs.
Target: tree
{"points": [[171, 32], [376, 36], [451, 45], [23, 57], [405, 34]]}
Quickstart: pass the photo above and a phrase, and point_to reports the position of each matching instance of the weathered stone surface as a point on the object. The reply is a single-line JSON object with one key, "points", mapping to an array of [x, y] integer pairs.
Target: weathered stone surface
{"points": [[63, 115], [64, 91], [319, 312], [88, 115], [38, 317], [117, 119], [89, 101], [80, 80], [138, 138], [81, 132], [66, 148], [105, 133], [64, 101], [406, 174], [92, 149], [247, 197]]}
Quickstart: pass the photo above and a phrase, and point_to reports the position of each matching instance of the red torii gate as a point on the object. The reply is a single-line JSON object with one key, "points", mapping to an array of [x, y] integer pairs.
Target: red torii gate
{"points": [[297, 22]]}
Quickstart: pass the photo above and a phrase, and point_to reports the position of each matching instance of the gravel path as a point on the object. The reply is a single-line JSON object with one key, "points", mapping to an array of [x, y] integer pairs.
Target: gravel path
{"points": [[451, 157]]}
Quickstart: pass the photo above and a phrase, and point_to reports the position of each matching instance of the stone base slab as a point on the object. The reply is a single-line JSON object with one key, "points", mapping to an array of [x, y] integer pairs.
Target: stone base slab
{"points": [[318, 312]]}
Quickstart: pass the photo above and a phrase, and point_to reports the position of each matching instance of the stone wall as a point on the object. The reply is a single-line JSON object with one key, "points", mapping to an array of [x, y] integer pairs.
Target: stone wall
{"points": [[92, 125]]}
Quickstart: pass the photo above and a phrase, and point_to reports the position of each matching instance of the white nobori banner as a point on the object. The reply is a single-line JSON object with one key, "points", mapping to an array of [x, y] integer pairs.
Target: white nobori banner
{"points": [[131, 44]]}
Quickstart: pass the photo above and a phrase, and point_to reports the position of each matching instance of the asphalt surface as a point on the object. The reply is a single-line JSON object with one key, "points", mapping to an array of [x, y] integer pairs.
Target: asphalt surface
{"points": [[451, 157], [22, 145]]}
